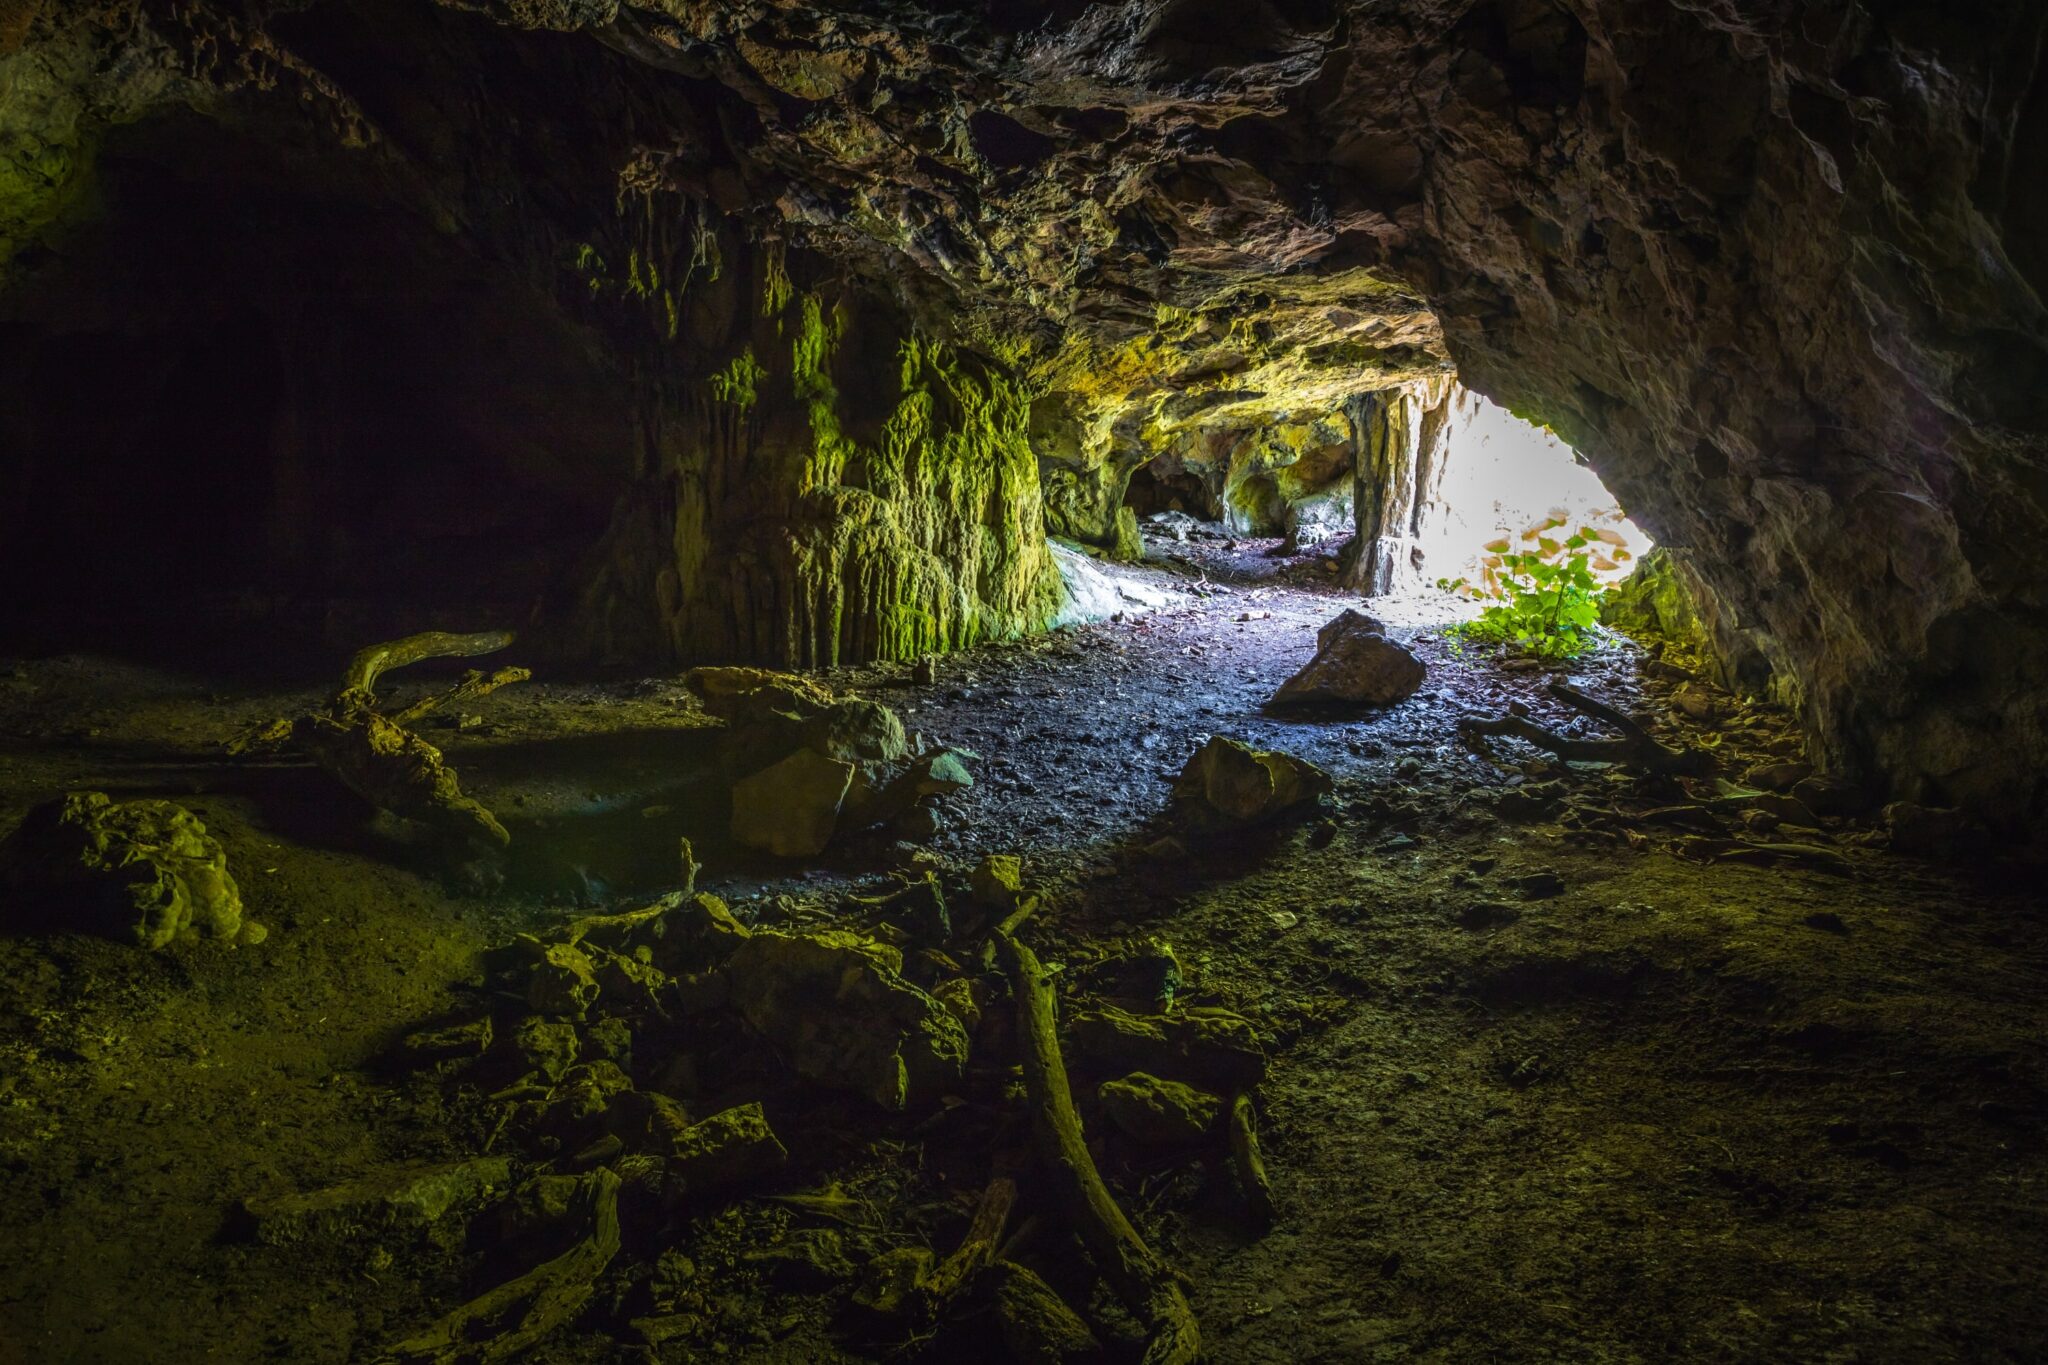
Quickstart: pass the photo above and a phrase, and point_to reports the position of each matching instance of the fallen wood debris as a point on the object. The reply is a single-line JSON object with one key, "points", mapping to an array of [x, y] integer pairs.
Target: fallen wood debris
{"points": [[503, 1323], [377, 757], [1636, 745]]}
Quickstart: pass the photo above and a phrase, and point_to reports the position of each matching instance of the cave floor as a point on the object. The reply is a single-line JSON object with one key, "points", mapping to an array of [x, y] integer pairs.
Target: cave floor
{"points": [[1652, 1110]]}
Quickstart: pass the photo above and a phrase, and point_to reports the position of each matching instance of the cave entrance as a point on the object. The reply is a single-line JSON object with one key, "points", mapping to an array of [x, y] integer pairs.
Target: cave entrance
{"points": [[1503, 485]]}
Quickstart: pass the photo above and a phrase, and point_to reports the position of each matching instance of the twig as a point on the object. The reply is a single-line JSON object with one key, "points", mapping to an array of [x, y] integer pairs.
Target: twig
{"points": [[1139, 1277]]}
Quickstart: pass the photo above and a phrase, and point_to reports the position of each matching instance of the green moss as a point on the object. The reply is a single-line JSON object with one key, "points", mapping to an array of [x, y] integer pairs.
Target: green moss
{"points": [[739, 382]]}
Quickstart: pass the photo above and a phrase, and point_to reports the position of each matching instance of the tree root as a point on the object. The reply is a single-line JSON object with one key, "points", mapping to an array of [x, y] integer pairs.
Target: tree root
{"points": [[377, 757], [1250, 1162], [1139, 1277], [1636, 746], [503, 1323], [976, 1251]]}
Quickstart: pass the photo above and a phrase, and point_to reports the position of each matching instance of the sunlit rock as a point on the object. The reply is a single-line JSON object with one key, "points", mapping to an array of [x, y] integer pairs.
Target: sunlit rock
{"points": [[1354, 663]]}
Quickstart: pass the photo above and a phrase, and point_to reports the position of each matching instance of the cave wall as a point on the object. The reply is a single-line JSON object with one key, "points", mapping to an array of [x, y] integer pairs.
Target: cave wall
{"points": [[319, 367], [1775, 270]]}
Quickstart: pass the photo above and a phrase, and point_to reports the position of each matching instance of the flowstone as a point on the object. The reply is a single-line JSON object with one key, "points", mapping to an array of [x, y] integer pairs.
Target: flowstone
{"points": [[145, 872]]}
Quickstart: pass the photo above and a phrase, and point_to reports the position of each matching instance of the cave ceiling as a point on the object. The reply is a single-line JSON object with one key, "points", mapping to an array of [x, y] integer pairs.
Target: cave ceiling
{"points": [[1774, 268]]}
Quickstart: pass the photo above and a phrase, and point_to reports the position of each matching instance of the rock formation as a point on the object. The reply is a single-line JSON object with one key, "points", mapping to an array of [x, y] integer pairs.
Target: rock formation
{"points": [[777, 332]]}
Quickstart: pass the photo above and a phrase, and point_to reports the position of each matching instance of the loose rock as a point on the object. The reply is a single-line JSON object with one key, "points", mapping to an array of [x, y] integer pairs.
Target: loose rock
{"points": [[1228, 785], [144, 872], [1159, 1113], [1355, 663]]}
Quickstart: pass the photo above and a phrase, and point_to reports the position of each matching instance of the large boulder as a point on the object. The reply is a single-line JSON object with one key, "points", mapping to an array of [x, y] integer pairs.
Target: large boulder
{"points": [[1227, 785], [144, 872], [791, 807], [1355, 664], [837, 1006]]}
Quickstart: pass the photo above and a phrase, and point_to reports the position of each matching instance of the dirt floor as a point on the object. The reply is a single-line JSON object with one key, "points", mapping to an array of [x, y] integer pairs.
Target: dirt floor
{"points": [[1542, 1087]]}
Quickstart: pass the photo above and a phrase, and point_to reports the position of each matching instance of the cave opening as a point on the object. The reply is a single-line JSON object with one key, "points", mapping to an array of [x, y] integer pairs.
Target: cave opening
{"points": [[768, 681]]}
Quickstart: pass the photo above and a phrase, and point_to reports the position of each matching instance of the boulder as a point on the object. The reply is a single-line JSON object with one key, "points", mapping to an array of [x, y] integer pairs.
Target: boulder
{"points": [[791, 808], [729, 1148], [1209, 1047], [1355, 664], [143, 872], [412, 1201], [998, 882], [1159, 1113], [837, 1006], [1228, 785]]}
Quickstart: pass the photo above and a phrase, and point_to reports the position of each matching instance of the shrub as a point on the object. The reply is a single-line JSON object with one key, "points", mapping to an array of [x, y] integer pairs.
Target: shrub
{"points": [[1543, 601]]}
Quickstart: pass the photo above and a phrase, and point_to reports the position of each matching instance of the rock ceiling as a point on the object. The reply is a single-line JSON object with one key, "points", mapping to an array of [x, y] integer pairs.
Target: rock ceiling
{"points": [[1775, 268]]}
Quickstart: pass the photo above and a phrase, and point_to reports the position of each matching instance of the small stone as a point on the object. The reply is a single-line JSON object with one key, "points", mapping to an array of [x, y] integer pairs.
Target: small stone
{"points": [[925, 671], [1228, 785], [998, 882], [791, 808], [1536, 886], [1159, 1113], [546, 1046], [890, 1283], [1212, 1047], [805, 1262], [837, 1006], [921, 822], [563, 982], [1779, 777]]}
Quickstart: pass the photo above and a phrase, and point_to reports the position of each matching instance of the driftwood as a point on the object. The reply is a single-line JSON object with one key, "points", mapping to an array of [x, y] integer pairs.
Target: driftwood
{"points": [[1636, 745], [1250, 1162], [504, 1323], [1140, 1278], [377, 757]]}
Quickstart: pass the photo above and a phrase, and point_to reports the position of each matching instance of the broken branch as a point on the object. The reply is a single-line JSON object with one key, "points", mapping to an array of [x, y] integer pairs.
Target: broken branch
{"points": [[1251, 1163], [1636, 746]]}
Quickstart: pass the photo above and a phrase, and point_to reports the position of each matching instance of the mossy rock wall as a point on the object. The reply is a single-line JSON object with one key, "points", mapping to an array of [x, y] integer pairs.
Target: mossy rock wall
{"points": [[841, 488]]}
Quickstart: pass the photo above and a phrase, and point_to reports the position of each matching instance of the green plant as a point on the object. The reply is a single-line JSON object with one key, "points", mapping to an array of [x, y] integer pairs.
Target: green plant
{"points": [[1543, 601]]}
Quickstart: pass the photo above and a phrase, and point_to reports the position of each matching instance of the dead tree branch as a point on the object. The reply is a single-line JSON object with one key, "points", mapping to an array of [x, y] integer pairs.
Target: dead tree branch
{"points": [[1636, 746], [504, 1323]]}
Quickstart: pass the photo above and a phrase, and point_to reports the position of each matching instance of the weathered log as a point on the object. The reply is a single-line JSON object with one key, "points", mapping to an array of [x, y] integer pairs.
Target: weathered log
{"points": [[1140, 1278], [977, 1249], [377, 757], [503, 1323]]}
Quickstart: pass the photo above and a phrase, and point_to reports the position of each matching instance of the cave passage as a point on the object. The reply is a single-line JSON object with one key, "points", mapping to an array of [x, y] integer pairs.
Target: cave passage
{"points": [[1156, 681]]}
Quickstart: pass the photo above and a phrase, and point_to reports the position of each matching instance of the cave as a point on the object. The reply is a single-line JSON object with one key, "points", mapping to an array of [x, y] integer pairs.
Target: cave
{"points": [[1128, 680]]}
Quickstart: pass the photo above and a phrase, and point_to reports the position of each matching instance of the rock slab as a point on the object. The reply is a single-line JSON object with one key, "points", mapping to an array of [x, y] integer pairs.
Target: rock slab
{"points": [[1355, 664]]}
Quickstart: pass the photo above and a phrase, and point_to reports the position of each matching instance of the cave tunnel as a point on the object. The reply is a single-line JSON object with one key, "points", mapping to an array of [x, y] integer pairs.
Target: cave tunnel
{"points": [[1144, 680]]}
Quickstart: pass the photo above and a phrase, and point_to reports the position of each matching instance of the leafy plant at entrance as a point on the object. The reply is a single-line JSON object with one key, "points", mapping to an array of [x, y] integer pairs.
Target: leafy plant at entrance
{"points": [[1543, 601]]}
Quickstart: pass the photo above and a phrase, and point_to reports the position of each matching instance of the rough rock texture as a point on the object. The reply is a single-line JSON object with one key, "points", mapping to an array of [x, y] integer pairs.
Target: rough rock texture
{"points": [[1227, 785], [844, 285], [145, 872], [838, 1006], [1355, 664], [1159, 1113]]}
